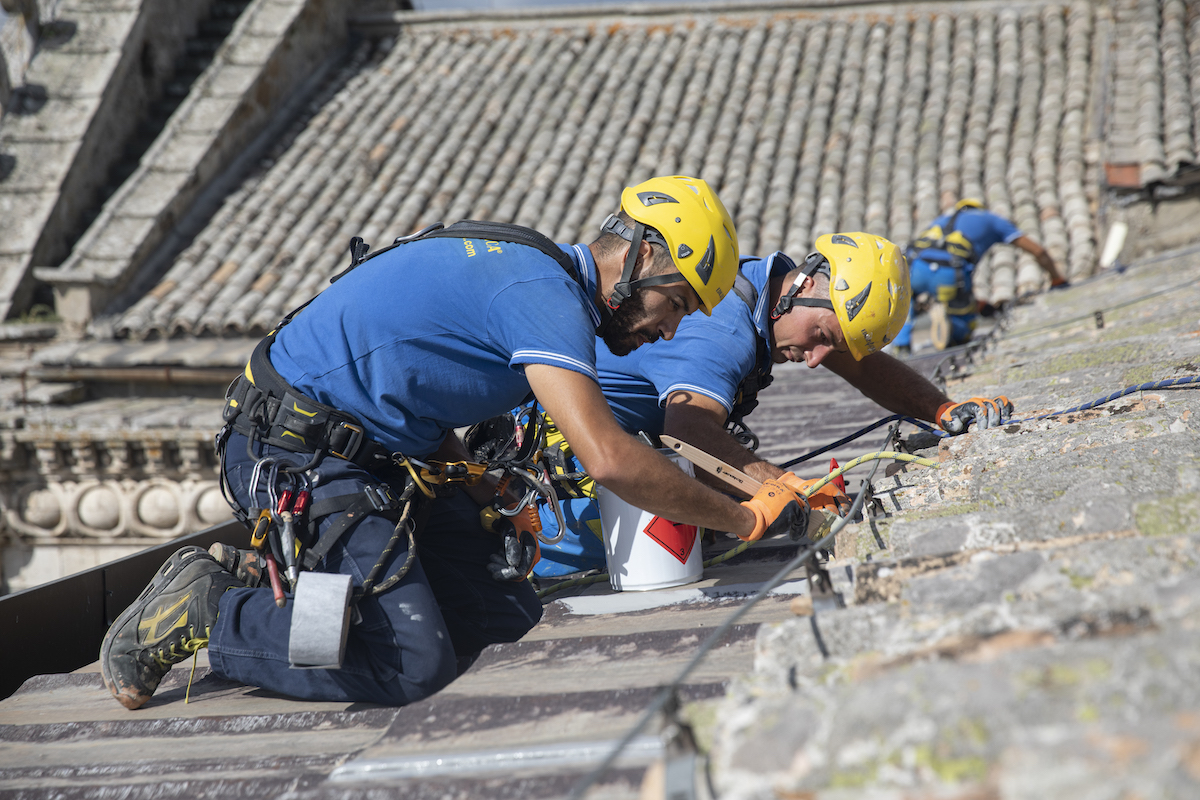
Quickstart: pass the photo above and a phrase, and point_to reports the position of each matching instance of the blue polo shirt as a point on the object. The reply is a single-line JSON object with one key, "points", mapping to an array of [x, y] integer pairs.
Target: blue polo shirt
{"points": [[981, 228], [435, 334], [709, 355]]}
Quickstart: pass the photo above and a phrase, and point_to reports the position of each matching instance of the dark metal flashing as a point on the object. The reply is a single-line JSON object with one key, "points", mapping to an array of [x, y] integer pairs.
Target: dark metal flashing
{"points": [[57, 627]]}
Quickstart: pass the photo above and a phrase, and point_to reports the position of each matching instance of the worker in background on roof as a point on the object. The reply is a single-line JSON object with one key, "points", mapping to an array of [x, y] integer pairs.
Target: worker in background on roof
{"points": [[425, 337], [943, 258], [838, 309]]}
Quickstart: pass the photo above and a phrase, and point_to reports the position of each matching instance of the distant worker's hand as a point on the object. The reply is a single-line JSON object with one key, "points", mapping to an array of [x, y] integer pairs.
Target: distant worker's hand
{"points": [[1059, 283], [828, 496], [957, 417], [778, 508], [520, 550]]}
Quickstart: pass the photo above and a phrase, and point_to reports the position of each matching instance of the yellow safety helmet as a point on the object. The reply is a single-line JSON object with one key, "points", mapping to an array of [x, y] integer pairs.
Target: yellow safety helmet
{"points": [[968, 202], [686, 217], [869, 288]]}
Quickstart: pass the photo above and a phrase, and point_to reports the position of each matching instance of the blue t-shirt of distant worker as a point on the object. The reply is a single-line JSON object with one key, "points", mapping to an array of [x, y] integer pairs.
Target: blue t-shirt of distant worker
{"points": [[435, 334]]}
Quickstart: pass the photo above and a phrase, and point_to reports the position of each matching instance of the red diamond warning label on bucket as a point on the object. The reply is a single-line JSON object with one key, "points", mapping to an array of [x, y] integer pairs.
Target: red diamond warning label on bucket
{"points": [[676, 538]]}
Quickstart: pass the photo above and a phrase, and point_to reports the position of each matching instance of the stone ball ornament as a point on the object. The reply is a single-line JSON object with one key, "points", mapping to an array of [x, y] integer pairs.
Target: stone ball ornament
{"points": [[158, 507], [37, 511], [98, 508], [211, 508]]}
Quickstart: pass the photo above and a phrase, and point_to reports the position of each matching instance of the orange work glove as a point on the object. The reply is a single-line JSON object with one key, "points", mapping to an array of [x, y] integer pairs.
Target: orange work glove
{"points": [[956, 417], [828, 496], [777, 508]]}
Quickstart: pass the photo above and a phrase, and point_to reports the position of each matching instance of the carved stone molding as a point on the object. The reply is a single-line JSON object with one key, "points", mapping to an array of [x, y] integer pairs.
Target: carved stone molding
{"points": [[64, 485]]}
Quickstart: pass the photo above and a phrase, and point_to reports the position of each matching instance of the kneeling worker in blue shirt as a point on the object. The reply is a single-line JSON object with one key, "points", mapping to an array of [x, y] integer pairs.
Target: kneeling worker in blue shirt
{"points": [[839, 308], [438, 332]]}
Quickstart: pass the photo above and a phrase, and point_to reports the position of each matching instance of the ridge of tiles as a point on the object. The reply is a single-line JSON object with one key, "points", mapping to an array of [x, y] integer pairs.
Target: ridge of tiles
{"points": [[805, 123]]}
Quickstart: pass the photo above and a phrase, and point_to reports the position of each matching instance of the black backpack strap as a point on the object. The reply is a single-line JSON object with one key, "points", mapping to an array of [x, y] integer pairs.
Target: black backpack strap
{"points": [[759, 378], [745, 290], [507, 232]]}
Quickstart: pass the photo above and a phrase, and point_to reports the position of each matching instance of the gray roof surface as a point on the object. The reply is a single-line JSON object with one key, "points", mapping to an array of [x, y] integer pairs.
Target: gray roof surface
{"points": [[807, 122], [1023, 618]]}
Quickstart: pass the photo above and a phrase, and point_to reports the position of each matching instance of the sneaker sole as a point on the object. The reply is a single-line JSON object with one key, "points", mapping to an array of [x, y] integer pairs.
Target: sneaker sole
{"points": [[125, 695]]}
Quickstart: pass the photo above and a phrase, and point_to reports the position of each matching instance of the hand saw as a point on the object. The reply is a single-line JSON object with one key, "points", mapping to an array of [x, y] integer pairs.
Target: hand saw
{"points": [[734, 477], [820, 585], [712, 464]]}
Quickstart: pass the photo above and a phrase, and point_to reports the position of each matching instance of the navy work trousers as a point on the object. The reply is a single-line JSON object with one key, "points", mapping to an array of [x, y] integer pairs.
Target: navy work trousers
{"points": [[446, 608]]}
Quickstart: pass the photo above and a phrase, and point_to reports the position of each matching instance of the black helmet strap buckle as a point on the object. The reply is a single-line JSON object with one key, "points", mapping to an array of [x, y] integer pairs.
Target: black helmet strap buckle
{"points": [[813, 263], [625, 287]]}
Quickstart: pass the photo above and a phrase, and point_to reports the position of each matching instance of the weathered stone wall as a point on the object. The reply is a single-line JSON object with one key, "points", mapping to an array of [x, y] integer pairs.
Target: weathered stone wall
{"points": [[123, 475], [1023, 623]]}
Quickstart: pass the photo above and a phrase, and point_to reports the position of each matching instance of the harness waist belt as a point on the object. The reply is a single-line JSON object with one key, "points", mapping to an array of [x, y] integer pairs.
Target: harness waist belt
{"points": [[261, 405]]}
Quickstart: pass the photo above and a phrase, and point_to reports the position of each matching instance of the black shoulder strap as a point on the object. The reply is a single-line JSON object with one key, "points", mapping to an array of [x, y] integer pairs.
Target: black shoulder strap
{"points": [[759, 378], [360, 251], [745, 290], [507, 232]]}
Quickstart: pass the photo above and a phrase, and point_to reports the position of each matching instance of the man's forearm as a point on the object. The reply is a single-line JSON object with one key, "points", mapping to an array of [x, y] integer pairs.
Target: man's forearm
{"points": [[891, 383], [1048, 265], [700, 423]]}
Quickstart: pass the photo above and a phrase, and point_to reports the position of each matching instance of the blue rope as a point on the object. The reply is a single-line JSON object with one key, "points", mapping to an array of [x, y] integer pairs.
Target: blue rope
{"points": [[1167, 383], [1141, 387]]}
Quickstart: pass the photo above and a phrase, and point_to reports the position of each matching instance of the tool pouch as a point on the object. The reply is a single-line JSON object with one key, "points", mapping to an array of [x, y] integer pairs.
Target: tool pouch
{"points": [[957, 299]]}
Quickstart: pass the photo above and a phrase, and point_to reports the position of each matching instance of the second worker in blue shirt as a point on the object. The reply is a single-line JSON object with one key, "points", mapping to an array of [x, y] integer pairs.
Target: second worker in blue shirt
{"points": [[839, 308]]}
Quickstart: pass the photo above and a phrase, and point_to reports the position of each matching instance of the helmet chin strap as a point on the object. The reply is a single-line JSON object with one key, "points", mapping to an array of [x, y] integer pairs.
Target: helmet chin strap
{"points": [[625, 287], [814, 263]]}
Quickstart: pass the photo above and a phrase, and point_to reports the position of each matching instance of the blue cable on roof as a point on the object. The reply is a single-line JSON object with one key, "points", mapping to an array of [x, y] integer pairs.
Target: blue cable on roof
{"points": [[1167, 383]]}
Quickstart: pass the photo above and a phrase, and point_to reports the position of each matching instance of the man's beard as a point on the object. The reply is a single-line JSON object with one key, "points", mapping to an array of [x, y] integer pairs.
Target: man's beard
{"points": [[620, 336]]}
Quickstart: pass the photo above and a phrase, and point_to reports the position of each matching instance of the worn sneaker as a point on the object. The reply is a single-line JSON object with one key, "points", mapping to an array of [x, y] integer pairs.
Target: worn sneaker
{"points": [[245, 565], [168, 622]]}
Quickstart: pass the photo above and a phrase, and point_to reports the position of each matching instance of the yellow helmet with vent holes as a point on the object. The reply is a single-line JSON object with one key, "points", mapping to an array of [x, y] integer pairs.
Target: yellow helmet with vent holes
{"points": [[696, 228], [869, 287]]}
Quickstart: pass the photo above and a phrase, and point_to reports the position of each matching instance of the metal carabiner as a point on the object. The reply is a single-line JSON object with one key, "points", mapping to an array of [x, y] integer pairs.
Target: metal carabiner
{"points": [[256, 477], [556, 507], [273, 488], [539, 487]]}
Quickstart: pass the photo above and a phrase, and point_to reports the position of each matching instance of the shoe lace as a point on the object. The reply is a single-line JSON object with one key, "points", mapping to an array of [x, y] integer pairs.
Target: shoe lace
{"points": [[189, 645]]}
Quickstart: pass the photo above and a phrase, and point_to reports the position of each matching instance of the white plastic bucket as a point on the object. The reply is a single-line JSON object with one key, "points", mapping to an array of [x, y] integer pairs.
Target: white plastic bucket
{"points": [[644, 551]]}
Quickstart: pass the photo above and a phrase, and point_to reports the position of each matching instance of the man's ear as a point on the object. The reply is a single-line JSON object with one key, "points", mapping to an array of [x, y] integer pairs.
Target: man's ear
{"points": [[644, 254]]}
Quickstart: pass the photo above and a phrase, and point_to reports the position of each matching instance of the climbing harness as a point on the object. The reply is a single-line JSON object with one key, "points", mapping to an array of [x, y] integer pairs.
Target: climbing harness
{"points": [[760, 376], [959, 247], [267, 410], [952, 300], [558, 458]]}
